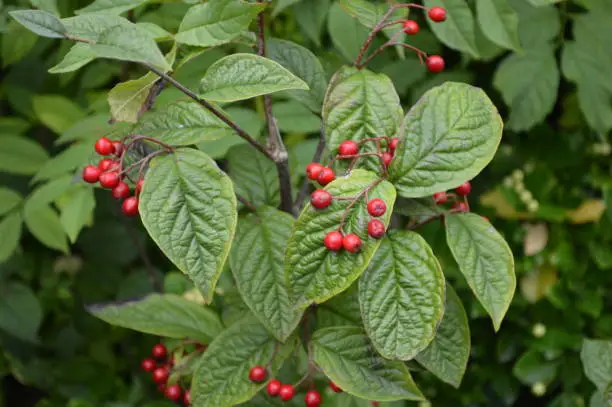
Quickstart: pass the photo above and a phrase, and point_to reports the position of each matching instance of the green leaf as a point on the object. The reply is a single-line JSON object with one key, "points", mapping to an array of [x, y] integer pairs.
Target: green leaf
{"points": [[20, 311], [292, 117], [110, 6], [457, 32], [57, 112], [316, 274], [360, 104], [531, 95], [243, 76], [216, 22], [127, 100], [310, 16], [165, 315], [40, 22], [17, 42], [66, 162], [402, 296], [10, 230], [9, 200], [486, 261], [222, 376], [342, 309], [91, 26], [366, 12], [281, 5], [304, 64], [77, 57], [418, 208], [49, 6], [596, 358], [537, 25], [20, 155], [346, 33], [447, 355], [348, 358], [451, 134], [256, 260], [183, 123], [189, 209], [499, 22], [77, 211], [532, 368], [44, 223], [255, 176]]}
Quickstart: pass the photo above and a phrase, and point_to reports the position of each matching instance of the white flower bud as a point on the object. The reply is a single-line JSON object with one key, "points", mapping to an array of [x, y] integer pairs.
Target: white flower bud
{"points": [[538, 330], [538, 389]]}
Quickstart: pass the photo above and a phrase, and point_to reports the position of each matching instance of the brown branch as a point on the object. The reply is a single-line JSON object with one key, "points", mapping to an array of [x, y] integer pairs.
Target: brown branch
{"points": [[315, 159], [246, 203]]}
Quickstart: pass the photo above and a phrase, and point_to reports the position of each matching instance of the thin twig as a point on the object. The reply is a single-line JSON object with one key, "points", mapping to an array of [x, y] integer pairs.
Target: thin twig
{"points": [[246, 203], [315, 159], [388, 44]]}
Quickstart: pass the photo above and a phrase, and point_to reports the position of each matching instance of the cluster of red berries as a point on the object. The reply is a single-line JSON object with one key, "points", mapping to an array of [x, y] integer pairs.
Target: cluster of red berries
{"points": [[435, 63], [159, 365], [108, 174], [463, 190]]}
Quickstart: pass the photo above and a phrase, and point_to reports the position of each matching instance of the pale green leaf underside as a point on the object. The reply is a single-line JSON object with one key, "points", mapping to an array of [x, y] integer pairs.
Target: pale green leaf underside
{"points": [[447, 355], [222, 375], [402, 295], [316, 274], [447, 138], [77, 57], [165, 315], [110, 6], [44, 223], [256, 259], [40, 22], [243, 76], [458, 31], [499, 22], [347, 357], [127, 99], [596, 358], [485, 260], [189, 209]]}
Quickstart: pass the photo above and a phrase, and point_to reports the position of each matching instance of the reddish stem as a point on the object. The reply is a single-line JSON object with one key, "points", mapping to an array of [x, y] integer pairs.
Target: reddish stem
{"points": [[356, 198]]}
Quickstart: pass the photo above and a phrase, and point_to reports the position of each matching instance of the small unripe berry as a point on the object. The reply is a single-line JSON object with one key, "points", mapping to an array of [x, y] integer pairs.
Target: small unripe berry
{"points": [[174, 392], [376, 228], [257, 374], [286, 392], [377, 207], [464, 189], [313, 170], [187, 398], [121, 191], [411, 27], [91, 174], [110, 179], [105, 164], [348, 147], [393, 144], [538, 389], [335, 387], [160, 375], [104, 146], [437, 14], [351, 243], [273, 388], [326, 176], [320, 199], [440, 198], [539, 330], [159, 351], [313, 399], [162, 387], [148, 365], [435, 63], [130, 206], [460, 207], [387, 158], [333, 241]]}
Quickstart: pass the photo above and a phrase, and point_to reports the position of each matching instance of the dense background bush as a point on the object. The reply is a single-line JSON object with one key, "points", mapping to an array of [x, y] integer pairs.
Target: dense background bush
{"points": [[545, 64]]}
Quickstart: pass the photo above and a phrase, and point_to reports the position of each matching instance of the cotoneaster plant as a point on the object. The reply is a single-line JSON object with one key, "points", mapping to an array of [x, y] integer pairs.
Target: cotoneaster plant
{"points": [[336, 294]]}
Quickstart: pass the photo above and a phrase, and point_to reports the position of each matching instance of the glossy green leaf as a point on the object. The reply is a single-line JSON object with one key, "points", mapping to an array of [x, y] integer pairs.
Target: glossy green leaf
{"points": [[310, 16], [532, 95], [342, 309], [366, 12], [40, 22], [183, 123], [255, 176], [486, 261], [360, 104], [20, 311], [127, 100], [281, 5], [165, 315], [346, 33], [91, 26], [304, 64], [110, 6], [347, 357], [57, 112], [499, 22], [77, 212], [402, 296], [50, 6], [537, 25], [16, 43], [256, 260], [292, 117], [222, 376], [316, 274], [20, 155], [243, 76], [9, 200], [76, 156], [77, 57], [189, 209], [447, 355], [216, 22], [596, 358], [532, 367], [451, 134], [44, 223], [457, 32], [10, 230]]}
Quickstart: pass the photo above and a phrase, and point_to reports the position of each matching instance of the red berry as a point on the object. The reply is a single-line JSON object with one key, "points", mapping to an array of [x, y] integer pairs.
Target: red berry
{"points": [[335, 387], [257, 374], [313, 399], [333, 241], [139, 185], [387, 158], [351, 243], [435, 63], [118, 146], [187, 398], [110, 179], [174, 392], [375, 403], [348, 147], [286, 392], [320, 199], [326, 176], [313, 170], [121, 191], [274, 387], [464, 189], [104, 146], [377, 207], [160, 375], [437, 14], [460, 207], [161, 387], [440, 198], [376, 228], [105, 164], [159, 351], [130, 206], [411, 27], [393, 144], [91, 174], [148, 365]]}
